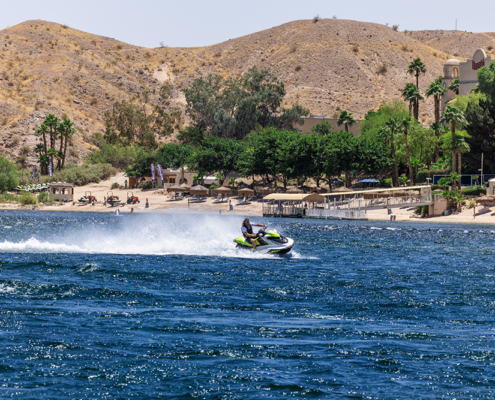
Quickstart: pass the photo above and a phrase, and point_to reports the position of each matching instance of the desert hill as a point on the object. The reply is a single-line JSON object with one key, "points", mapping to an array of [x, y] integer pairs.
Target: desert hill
{"points": [[458, 43], [329, 65]]}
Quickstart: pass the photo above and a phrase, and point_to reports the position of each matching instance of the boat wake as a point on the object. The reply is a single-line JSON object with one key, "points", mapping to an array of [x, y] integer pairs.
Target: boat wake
{"points": [[178, 234]]}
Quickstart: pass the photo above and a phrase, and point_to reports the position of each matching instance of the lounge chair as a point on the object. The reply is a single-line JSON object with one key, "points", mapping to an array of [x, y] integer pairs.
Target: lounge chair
{"points": [[243, 202], [218, 199]]}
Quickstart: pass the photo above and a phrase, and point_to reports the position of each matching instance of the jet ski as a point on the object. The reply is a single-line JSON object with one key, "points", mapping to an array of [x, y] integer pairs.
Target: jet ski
{"points": [[267, 242]]}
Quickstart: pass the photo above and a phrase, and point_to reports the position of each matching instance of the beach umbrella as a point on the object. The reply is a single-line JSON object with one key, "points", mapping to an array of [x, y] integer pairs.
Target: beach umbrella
{"points": [[342, 189], [186, 187], [198, 189], [245, 191], [336, 180], [294, 190], [305, 188], [280, 189], [223, 190], [267, 190], [175, 189]]}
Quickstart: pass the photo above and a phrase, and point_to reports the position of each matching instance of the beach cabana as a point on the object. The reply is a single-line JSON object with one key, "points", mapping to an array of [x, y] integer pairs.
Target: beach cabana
{"points": [[62, 191], [294, 190], [341, 189], [175, 189], [245, 191], [198, 189], [267, 190], [223, 190]]}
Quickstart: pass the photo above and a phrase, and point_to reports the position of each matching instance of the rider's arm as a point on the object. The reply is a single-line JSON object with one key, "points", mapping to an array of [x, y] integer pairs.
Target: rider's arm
{"points": [[264, 226]]}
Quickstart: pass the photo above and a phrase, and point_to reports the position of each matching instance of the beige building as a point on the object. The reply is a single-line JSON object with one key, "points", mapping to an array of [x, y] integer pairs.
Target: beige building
{"points": [[466, 72], [313, 120]]}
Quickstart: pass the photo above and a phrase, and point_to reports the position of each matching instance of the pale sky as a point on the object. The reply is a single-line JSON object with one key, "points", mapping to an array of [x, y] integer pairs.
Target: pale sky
{"points": [[189, 23]]}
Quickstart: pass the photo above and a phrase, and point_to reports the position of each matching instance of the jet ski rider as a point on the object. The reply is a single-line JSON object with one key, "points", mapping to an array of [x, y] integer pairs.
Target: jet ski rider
{"points": [[247, 232]]}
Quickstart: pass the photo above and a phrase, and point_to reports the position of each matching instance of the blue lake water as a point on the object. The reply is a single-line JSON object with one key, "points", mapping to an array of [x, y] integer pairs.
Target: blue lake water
{"points": [[164, 306]]}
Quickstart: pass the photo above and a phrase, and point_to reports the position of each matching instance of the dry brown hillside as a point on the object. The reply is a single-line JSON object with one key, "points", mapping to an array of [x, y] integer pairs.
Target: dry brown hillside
{"points": [[458, 43], [327, 66]]}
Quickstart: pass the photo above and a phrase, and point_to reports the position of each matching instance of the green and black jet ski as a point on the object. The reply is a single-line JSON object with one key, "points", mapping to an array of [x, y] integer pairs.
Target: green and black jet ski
{"points": [[267, 242]]}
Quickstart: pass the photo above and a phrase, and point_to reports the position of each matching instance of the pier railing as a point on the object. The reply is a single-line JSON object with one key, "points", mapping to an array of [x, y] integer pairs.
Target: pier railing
{"points": [[380, 202], [335, 214]]}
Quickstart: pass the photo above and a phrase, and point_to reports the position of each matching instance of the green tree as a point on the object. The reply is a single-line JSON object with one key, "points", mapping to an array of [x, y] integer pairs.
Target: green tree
{"points": [[323, 128], [405, 126], [216, 155], [452, 116], [375, 120], [411, 94], [346, 119], [149, 114], [66, 131], [437, 91], [454, 86], [415, 68], [233, 108], [393, 125]]}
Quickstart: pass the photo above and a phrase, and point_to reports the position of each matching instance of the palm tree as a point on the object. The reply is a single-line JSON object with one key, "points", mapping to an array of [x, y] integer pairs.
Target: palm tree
{"points": [[415, 68], [346, 119], [392, 125], [42, 131], [52, 122], [405, 126], [461, 145], [454, 86], [66, 129], [455, 178], [437, 91], [452, 115], [409, 94], [437, 129]]}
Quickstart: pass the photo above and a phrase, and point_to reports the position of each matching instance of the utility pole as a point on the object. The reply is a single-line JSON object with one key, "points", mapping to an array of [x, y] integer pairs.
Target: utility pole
{"points": [[481, 169]]}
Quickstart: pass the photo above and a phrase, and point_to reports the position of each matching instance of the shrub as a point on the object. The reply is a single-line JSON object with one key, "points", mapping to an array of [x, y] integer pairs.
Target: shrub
{"points": [[422, 210], [93, 101], [298, 68], [84, 174], [316, 18], [421, 176], [27, 199], [115, 185], [395, 27], [386, 183], [45, 198], [473, 191], [436, 187], [382, 69], [490, 48], [472, 203], [434, 171], [355, 48], [293, 48], [118, 156]]}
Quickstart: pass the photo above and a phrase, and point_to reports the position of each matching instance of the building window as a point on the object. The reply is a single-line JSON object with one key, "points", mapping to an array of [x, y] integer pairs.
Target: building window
{"points": [[455, 73], [445, 71]]}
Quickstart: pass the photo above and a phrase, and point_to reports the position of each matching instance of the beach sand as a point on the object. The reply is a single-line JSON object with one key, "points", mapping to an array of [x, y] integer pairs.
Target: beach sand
{"points": [[159, 201]]}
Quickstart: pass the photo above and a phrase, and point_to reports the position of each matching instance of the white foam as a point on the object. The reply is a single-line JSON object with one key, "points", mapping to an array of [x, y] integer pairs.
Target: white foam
{"points": [[182, 234], [6, 289]]}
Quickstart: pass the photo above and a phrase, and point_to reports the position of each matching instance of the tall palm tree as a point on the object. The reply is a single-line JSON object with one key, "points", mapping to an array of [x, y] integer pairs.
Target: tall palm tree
{"points": [[415, 68], [437, 91], [405, 126], [52, 122], [42, 131], [412, 94], [452, 115], [437, 128], [454, 86], [392, 125], [346, 119], [408, 94], [460, 145], [67, 130]]}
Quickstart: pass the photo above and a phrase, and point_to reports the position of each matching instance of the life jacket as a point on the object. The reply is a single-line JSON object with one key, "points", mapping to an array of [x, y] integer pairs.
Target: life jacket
{"points": [[249, 229]]}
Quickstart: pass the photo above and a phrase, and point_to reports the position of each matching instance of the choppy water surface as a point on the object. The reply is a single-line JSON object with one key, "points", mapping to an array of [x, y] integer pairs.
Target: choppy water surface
{"points": [[150, 306]]}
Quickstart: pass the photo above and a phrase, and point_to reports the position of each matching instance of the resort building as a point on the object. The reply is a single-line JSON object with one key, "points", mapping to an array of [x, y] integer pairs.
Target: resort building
{"points": [[466, 72]]}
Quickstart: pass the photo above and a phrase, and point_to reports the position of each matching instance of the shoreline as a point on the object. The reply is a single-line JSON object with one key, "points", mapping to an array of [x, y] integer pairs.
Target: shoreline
{"points": [[461, 220], [160, 202]]}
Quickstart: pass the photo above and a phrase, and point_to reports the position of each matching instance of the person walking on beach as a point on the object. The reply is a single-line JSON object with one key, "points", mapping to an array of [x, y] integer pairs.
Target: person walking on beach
{"points": [[125, 183], [247, 232]]}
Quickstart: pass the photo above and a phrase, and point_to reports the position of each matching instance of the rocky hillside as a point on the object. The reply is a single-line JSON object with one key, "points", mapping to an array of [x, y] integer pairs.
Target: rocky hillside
{"points": [[327, 66], [458, 43]]}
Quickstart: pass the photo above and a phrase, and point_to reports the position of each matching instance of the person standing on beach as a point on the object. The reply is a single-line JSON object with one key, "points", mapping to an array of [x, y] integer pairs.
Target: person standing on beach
{"points": [[125, 183]]}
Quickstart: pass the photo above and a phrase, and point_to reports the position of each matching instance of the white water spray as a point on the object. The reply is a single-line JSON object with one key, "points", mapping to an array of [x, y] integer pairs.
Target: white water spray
{"points": [[153, 234]]}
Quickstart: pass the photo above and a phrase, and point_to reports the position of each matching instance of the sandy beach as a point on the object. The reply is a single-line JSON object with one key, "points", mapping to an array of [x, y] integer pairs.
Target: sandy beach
{"points": [[159, 201]]}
